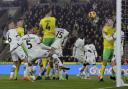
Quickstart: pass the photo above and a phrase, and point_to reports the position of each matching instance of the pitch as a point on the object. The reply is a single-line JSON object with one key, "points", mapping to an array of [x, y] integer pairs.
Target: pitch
{"points": [[73, 83]]}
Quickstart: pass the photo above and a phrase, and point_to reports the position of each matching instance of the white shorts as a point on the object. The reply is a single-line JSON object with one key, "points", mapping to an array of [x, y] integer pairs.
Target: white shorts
{"points": [[90, 58], [58, 48], [80, 57], [58, 52], [37, 55], [79, 54], [18, 54]]}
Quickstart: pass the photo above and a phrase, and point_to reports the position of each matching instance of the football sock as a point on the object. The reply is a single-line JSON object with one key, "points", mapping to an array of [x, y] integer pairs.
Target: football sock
{"points": [[12, 71], [16, 70], [44, 62], [48, 70], [113, 70], [102, 70]]}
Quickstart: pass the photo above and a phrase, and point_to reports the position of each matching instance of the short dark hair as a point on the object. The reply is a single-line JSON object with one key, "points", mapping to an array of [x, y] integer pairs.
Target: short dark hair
{"points": [[21, 18], [48, 10], [10, 21]]}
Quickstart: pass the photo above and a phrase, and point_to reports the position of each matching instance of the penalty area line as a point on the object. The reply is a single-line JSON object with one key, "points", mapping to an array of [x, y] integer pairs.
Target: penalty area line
{"points": [[106, 88]]}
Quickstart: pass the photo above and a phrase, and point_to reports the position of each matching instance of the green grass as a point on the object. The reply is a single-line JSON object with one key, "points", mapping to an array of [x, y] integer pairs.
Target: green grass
{"points": [[72, 83]]}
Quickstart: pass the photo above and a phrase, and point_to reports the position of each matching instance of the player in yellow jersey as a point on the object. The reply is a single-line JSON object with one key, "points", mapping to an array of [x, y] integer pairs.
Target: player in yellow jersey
{"points": [[108, 45], [20, 28], [20, 31], [48, 24]]}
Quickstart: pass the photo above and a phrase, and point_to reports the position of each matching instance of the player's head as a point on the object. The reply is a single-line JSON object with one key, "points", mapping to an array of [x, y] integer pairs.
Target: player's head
{"points": [[29, 31], [88, 41], [11, 24], [49, 12], [81, 36], [20, 22], [32, 30], [110, 22]]}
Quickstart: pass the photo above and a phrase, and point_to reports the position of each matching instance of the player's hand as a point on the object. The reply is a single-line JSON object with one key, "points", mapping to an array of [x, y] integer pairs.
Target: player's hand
{"points": [[52, 50]]}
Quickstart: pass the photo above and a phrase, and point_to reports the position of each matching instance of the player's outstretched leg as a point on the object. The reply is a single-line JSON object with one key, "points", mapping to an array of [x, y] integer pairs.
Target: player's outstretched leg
{"points": [[60, 64]]}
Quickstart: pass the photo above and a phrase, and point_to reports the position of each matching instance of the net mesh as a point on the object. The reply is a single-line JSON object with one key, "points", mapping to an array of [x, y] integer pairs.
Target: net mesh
{"points": [[125, 28]]}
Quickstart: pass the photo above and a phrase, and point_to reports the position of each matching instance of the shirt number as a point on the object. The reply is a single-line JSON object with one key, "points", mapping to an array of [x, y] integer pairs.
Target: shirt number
{"points": [[59, 34], [29, 45], [9, 39], [48, 26]]}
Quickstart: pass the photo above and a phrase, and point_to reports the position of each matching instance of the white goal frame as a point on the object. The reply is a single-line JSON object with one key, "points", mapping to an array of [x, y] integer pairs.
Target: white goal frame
{"points": [[119, 80]]}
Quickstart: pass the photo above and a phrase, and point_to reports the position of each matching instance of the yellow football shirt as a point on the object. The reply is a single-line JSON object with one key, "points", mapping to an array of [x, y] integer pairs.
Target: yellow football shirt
{"points": [[20, 31], [108, 30], [48, 24]]}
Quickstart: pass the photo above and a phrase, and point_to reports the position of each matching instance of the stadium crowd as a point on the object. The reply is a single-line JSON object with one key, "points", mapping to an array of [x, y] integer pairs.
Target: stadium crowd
{"points": [[74, 18], [82, 28]]}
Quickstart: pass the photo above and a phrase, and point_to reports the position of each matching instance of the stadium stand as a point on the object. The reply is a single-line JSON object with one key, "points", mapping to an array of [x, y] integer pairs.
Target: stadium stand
{"points": [[70, 16]]}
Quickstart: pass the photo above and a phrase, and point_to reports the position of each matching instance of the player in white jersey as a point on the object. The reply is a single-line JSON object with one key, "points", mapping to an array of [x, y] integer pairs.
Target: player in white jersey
{"points": [[13, 38], [60, 41], [90, 53], [78, 53], [89, 56], [33, 47], [113, 61], [36, 50], [78, 49]]}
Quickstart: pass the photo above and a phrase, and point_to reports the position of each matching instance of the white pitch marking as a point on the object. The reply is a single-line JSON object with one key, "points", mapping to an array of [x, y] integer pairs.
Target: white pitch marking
{"points": [[106, 88]]}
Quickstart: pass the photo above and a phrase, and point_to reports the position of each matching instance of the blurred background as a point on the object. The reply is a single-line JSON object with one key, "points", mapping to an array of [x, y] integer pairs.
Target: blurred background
{"points": [[73, 15]]}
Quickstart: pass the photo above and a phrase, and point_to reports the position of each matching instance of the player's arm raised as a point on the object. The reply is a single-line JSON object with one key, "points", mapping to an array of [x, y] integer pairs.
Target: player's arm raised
{"points": [[105, 36], [66, 38]]}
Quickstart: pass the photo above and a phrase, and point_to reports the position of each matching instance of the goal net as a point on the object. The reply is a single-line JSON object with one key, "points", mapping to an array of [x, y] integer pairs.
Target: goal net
{"points": [[121, 24]]}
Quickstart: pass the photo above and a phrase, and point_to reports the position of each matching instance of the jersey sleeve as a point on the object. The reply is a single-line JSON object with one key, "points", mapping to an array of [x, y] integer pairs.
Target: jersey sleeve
{"points": [[66, 33], [7, 35], [20, 41], [77, 43], [37, 39], [65, 37], [86, 48], [40, 23], [94, 49], [104, 29]]}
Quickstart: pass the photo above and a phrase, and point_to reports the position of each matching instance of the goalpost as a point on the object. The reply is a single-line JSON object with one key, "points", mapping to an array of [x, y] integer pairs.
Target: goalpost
{"points": [[119, 81], [118, 43]]}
